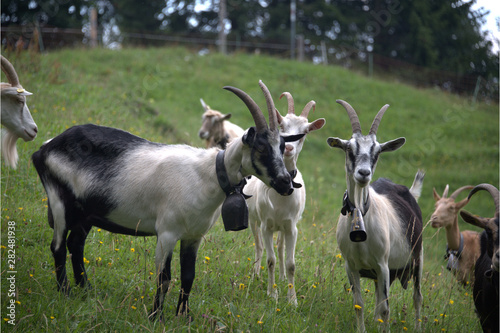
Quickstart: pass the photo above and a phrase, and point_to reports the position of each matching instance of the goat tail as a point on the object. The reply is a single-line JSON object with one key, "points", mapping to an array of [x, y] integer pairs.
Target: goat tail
{"points": [[418, 183], [9, 150]]}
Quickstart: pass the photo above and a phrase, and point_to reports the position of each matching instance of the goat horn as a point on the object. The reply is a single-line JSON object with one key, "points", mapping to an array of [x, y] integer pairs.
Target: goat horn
{"points": [[455, 194], [307, 108], [204, 105], [378, 118], [10, 72], [445, 192], [289, 98], [258, 117], [353, 117], [492, 190], [273, 121]]}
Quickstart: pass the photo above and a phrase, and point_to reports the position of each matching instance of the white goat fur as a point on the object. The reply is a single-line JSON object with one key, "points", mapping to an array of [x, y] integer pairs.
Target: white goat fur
{"points": [[16, 117], [216, 129], [104, 177], [270, 212]]}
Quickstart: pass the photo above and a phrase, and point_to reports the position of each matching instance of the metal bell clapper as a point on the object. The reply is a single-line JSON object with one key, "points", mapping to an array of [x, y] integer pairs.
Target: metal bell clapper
{"points": [[358, 231]]}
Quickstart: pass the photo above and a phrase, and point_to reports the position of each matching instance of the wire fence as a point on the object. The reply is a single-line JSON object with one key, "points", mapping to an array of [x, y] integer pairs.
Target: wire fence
{"points": [[476, 87]]}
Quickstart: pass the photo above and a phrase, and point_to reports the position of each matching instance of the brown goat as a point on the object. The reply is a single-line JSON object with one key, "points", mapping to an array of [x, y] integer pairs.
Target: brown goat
{"points": [[463, 247], [216, 129]]}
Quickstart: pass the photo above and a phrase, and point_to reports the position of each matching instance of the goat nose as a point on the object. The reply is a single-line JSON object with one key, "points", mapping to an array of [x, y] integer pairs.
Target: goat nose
{"points": [[364, 172], [288, 148]]}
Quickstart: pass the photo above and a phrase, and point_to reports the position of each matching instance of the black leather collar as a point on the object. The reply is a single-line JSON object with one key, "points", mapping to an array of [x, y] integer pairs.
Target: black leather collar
{"points": [[456, 253], [220, 170], [348, 206]]}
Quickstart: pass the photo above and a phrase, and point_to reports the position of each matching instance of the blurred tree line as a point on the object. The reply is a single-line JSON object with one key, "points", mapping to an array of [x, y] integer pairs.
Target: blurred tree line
{"points": [[435, 34]]}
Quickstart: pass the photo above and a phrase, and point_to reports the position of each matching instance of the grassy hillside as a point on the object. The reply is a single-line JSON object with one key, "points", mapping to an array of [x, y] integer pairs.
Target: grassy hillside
{"points": [[154, 93]]}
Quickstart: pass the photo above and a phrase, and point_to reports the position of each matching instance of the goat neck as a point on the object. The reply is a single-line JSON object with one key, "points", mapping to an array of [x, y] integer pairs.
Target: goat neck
{"points": [[358, 195]]}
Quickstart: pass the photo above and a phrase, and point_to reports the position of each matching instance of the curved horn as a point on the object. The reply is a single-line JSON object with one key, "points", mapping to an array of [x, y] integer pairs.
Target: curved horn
{"points": [[10, 72], [289, 98], [353, 117], [273, 121], [378, 118], [455, 194], [257, 115], [492, 190], [307, 108]]}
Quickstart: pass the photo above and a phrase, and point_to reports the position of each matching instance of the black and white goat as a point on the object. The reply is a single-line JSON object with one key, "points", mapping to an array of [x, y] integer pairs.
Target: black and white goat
{"points": [[379, 231], [108, 178], [486, 282], [270, 212], [16, 117], [216, 129]]}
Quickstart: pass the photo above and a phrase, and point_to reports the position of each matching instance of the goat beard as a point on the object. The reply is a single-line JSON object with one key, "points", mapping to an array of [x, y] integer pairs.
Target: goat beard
{"points": [[9, 149]]}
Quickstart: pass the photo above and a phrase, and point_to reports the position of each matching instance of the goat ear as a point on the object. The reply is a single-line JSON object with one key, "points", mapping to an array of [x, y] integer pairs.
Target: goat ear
{"points": [[478, 221], [392, 145], [15, 91], [292, 138], [337, 143], [461, 204], [226, 116], [249, 137], [316, 125]]}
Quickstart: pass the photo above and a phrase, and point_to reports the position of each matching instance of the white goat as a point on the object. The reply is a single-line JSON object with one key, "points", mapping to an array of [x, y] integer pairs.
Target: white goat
{"points": [[463, 247], [270, 212], [16, 117], [105, 177], [216, 129], [391, 245]]}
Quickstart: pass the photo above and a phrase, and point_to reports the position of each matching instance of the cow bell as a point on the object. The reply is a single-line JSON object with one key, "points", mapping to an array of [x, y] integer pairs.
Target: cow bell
{"points": [[358, 231], [235, 212]]}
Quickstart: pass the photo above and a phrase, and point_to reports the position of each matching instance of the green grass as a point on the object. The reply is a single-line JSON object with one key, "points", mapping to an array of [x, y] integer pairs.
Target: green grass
{"points": [[154, 93]]}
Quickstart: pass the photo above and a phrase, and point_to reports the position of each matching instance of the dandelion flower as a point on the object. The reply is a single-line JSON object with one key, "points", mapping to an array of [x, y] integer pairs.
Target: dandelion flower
{"points": [[52, 317], [278, 310], [380, 321], [242, 286], [17, 302], [133, 307], [290, 286], [275, 286], [132, 249], [357, 307], [260, 322], [451, 302], [207, 258], [339, 256]]}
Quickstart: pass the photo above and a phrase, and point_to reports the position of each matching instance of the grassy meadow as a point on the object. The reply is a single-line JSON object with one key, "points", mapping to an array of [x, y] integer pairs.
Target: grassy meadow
{"points": [[154, 93]]}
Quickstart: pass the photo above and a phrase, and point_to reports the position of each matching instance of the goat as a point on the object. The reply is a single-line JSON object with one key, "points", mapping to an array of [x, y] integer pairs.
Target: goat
{"points": [[216, 129], [111, 179], [16, 117], [391, 245], [463, 247], [270, 212], [486, 270]]}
